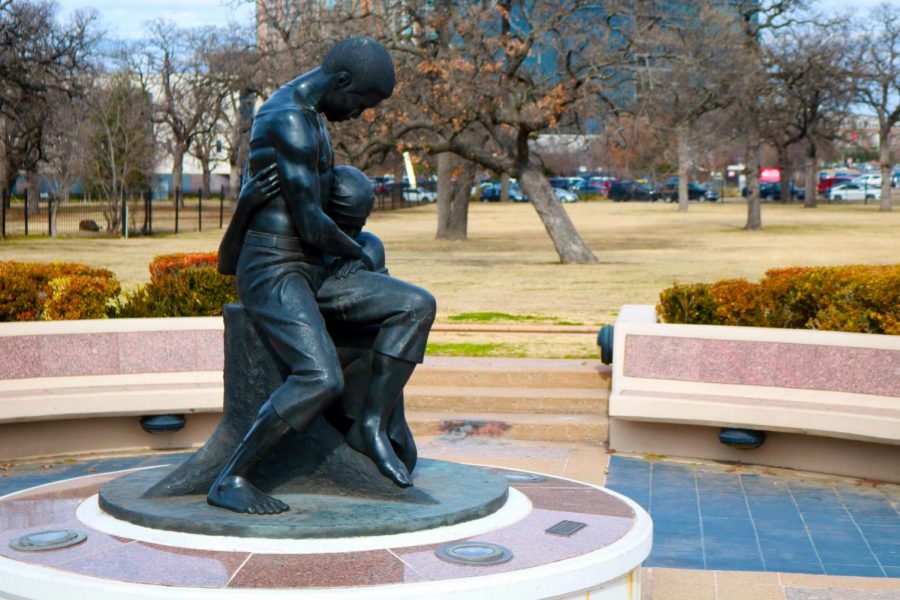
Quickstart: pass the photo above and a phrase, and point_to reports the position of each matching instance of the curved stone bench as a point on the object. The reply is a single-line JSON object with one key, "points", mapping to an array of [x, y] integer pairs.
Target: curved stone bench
{"points": [[68, 387], [830, 401]]}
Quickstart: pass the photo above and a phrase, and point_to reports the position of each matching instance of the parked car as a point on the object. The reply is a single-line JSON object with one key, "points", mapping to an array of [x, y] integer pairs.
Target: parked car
{"points": [[869, 180], [829, 182], [418, 194], [565, 195], [492, 193], [559, 182], [695, 191], [381, 184], [771, 190], [853, 191], [631, 190]]}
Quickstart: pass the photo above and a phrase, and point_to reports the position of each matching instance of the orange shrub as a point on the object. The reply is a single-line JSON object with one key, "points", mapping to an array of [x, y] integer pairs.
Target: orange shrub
{"points": [[860, 298], [735, 301], [55, 291], [181, 285]]}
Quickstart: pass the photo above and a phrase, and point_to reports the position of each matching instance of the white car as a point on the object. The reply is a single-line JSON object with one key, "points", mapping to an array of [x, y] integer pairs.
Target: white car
{"points": [[869, 180], [419, 195], [565, 195], [853, 191]]}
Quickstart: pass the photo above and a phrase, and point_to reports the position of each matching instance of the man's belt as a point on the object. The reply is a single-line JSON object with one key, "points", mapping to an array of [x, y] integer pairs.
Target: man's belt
{"points": [[292, 244]]}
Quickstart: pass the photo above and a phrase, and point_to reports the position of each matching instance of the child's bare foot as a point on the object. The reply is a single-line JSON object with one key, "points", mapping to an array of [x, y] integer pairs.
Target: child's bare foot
{"points": [[373, 443]]}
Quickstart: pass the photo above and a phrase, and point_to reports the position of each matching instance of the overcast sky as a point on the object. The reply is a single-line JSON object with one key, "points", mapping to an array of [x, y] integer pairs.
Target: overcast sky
{"points": [[125, 18]]}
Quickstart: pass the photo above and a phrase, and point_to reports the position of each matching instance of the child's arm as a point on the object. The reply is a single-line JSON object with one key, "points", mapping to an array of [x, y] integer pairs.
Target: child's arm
{"points": [[373, 249]]}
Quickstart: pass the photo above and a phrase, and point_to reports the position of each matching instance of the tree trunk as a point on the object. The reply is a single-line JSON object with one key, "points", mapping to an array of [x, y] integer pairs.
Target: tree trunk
{"points": [[784, 180], [53, 208], [206, 179], [177, 168], [812, 176], [397, 187], [461, 195], [754, 216], [884, 140], [33, 181], [234, 182], [444, 192], [569, 245], [504, 187], [684, 167], [453, 196]]}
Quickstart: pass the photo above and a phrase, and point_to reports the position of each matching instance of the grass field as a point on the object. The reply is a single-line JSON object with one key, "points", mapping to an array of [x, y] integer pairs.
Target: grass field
{"points": [[508, 265]]}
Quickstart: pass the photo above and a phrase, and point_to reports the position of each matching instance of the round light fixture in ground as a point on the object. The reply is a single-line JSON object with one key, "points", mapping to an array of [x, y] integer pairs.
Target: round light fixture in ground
{"points": [[48, 540], [522, 477], [474, 553]]}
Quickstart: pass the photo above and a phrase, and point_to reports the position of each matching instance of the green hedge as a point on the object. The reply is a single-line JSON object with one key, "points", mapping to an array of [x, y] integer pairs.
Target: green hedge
{"points": [[860, 298]]}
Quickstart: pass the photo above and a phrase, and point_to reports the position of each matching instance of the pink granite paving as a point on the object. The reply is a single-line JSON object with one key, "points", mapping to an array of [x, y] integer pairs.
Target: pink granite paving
{"points": [[530, 544], [141, 562], [800, 366], [376, 567]]}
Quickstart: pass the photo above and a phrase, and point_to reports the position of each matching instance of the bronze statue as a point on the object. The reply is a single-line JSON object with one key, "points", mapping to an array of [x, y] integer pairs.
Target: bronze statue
{"points": [[296, 268]]}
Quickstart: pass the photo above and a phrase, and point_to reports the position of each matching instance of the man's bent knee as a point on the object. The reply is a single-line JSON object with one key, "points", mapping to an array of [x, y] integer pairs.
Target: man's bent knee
{"points": [[422, 306]]}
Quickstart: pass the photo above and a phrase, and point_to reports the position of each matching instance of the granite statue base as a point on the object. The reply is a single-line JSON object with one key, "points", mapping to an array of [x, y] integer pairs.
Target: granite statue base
{"points": [[560, 539]]}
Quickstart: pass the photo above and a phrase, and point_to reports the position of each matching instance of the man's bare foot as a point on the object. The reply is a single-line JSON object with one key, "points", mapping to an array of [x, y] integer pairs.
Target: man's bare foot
{"points": [[236, 493], [373, 443]]}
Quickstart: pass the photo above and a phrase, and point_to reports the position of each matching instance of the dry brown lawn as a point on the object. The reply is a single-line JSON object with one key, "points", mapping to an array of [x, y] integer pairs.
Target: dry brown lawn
{"points": [[508, 264]]}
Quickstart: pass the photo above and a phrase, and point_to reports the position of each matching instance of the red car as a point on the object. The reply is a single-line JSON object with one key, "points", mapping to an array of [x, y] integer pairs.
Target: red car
{"points": [[829, 182]]}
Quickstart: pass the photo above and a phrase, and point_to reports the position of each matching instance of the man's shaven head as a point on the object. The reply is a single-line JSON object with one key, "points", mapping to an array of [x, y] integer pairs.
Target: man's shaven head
{"points": [[368, 63], [351, 200]]}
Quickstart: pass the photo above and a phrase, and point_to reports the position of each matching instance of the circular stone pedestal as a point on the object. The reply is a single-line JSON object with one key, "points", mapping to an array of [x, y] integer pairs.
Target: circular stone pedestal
{"points": [[557, 538], [445, 493]]}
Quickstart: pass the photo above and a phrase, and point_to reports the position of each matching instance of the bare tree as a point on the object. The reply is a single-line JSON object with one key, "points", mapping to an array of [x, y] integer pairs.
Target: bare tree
{"points": [[879, 82], [507, 72], [40, 59], [66, 146], [686, 71], [813, 87], [173, 72], [753, 87], [121, 145]]}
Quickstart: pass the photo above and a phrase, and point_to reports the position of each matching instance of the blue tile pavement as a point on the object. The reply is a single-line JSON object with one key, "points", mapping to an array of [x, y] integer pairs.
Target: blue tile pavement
{"points": [[710, 516]]}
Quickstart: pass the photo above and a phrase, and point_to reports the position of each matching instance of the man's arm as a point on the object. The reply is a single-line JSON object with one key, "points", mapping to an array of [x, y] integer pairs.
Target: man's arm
{"points": [[294, 136]]}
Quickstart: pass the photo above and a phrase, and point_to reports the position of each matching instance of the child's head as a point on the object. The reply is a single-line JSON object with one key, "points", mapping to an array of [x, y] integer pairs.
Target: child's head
{"points": [[351, 200]]}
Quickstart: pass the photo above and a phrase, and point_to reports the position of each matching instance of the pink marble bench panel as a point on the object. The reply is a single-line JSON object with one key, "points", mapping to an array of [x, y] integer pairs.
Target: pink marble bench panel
{"points": [[762, 363], [66, 355]]}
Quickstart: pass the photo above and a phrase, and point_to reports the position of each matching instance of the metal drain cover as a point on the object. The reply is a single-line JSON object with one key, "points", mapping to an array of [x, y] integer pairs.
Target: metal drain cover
{"points": [[474, 553], [48, 540]]}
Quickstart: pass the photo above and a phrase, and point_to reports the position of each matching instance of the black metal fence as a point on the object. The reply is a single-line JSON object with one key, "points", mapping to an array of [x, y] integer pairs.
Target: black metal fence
{"points": [[138, 213]]}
